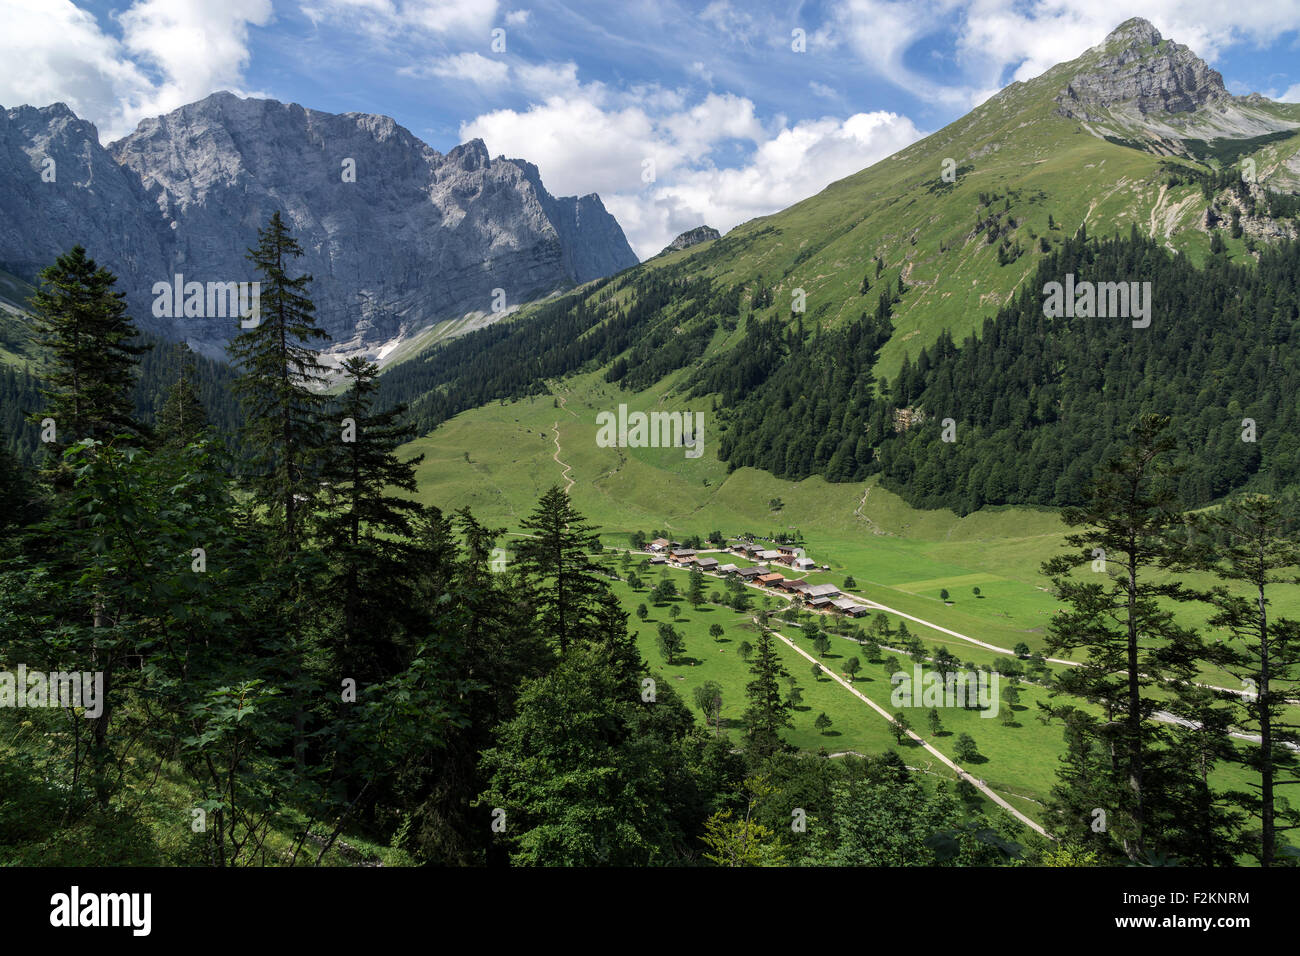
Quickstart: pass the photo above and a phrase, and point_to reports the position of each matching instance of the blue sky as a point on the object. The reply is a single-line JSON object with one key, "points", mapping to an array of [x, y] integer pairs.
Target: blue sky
{"points": [[676, 113]]}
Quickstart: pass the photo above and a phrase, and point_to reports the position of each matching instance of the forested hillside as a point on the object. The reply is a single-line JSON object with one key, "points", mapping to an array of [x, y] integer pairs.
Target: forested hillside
{"points": [[669, 324], [1037, 403], [158, 370]]}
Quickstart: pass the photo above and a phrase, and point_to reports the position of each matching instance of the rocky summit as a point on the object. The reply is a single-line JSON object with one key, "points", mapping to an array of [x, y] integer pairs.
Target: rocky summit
{"points": [[397, 236], [1138, 68], [1139, 86], [692, 237]]}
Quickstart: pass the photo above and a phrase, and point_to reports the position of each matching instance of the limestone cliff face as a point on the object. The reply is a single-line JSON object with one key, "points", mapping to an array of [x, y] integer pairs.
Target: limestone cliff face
{"points": [[1139, 87], [60, 187], [1138, 68], [396, 235]]}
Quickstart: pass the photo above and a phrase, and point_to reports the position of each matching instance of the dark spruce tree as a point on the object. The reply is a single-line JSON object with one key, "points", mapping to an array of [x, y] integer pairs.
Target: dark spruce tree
{"points": [[82, 321], [767, 714], [283, 444], [278, 368], [366, 526], [492, 648], [19, 503], [556, 560], [181, 417], [588, 772], [1137, 661], [1250, 542]]}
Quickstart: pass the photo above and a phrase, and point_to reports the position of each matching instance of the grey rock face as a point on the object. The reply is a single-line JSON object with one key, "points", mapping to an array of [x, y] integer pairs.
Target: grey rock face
{"points": [[396, 235], [692, 237], [1138, 87], [1141, 70], [60, 187]]}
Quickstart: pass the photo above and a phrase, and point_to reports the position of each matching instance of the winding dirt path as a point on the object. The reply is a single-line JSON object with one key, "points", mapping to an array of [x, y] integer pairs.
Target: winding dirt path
{"points": [[556, 428], [567, 468], [858, 511]]}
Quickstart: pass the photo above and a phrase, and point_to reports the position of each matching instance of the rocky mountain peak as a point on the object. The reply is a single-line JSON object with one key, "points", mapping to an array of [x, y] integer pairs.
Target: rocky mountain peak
{"points": [[470, 156], [397, 236], [692, 237], [1136, 70], [1134, 33]]}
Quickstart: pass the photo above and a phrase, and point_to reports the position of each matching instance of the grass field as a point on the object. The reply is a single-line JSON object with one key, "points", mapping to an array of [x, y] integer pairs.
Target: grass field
{"points": [[1017, 760], [498, 459]]}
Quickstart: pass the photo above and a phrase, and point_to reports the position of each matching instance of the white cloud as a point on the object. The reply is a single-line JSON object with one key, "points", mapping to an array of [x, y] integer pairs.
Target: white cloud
{"points": [[1292, 95], [380, 17], [822, 90], [547, 79], [198, 46], [717, 117], [722, 16], [473, 68], [517, 18], [593, 140], [698, 69], [578, 146], [53, 51], [796, 163]]}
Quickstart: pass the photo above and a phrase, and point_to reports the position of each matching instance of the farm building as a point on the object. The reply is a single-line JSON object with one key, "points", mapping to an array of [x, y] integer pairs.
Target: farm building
{"points": [[752, 573], [682, 555], [769, 580], [657, 545], [770, 555], [846, 606], [819, 602], [706, 564], [823, 590], [803, 564], [658, 559], [728, 569]]}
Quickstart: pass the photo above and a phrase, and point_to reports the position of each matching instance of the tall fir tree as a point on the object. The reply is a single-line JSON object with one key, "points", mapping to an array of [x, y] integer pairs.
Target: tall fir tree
{"points": [[82, 320], [1119, 617], [767, 714], [278, 368], [1250, 542], [556, 559], [181, 416], [367, 527]]}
